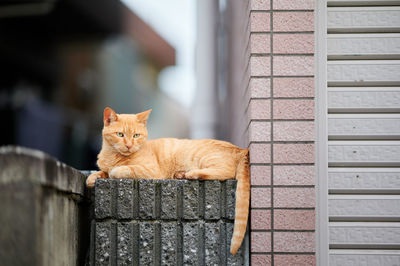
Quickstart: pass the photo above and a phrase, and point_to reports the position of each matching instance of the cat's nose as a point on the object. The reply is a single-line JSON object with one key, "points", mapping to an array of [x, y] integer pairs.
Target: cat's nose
{"points": [[128, 146]]}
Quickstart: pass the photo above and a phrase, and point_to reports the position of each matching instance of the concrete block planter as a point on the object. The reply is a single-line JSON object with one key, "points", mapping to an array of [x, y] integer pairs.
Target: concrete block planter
{"points": [[163, 222]]}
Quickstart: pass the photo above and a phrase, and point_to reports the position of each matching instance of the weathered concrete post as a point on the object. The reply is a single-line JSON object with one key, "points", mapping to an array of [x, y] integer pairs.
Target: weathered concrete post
{"points": [[43, 211], [163, 222]]}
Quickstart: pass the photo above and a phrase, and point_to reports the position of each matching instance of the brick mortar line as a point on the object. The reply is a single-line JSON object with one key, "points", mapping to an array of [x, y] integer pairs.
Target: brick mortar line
{"points": [[294, 98], [271, 10], [257, 77], [294, 55], [284, 54], [259, 33], [283, 208], [280, 98], [272, 119], [283, 142], [283, 253], [293, 10], [283, 186], [272, 129], [259, 55], [288, 164], [285, 230], [281, 120], [277, 98], [294, 76], [285, 98], [283, 32]]}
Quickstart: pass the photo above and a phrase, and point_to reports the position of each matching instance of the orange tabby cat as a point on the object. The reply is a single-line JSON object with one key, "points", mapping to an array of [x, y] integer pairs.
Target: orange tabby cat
{"points": [[126, 153]]}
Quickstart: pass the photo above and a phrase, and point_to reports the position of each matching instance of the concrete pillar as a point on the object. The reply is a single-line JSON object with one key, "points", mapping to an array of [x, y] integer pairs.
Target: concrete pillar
{"points": [[204, 116], [44, 210]]}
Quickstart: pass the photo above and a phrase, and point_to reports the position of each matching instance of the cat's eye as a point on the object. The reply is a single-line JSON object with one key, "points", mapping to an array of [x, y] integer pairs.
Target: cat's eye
{"points": [[136, 135], [120, 134]]}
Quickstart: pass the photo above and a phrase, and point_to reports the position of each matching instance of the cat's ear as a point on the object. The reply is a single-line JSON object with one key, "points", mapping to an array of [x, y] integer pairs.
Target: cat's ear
{"points": [[109, 116], [142, 117]]}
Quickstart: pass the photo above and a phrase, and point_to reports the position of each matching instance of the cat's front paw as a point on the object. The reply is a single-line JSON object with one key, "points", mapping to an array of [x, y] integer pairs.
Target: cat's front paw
{"points": [[91, 180], [121, 172]]}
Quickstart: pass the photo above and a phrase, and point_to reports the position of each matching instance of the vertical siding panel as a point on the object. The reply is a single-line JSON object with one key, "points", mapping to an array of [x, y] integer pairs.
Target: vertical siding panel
{"points": [[364, 130]]}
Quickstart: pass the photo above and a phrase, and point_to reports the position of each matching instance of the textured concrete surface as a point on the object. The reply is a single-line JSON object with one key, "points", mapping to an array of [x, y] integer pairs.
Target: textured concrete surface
{"points": [[163, 222], [44, 211]]}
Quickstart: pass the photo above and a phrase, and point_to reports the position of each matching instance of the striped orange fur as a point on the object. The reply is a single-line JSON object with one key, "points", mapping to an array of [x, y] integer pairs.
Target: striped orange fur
{"points": [[126, 153]]}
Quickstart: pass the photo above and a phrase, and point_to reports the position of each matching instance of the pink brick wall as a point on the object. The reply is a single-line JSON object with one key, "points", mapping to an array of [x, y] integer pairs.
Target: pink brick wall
{"points": [[272, 65]]}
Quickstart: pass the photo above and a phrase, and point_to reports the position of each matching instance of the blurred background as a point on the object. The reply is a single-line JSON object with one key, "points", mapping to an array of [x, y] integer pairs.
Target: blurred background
{"points": [[64, 61]]}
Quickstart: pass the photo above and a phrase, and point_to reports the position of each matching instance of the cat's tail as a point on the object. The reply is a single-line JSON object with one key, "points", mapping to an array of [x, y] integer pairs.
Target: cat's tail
{"points": [[242, 202]]}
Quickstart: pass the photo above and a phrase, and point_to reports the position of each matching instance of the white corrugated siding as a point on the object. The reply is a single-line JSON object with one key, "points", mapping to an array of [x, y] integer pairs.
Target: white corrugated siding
{"points": [[363, 80]]}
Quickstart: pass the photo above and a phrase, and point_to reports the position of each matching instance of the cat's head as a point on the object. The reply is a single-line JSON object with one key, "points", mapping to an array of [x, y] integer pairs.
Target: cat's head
{"points": [[126, 133]]}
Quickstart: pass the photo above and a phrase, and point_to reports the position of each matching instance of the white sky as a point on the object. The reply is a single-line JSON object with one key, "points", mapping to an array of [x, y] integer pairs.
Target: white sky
{"points": [[175, 21]]}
